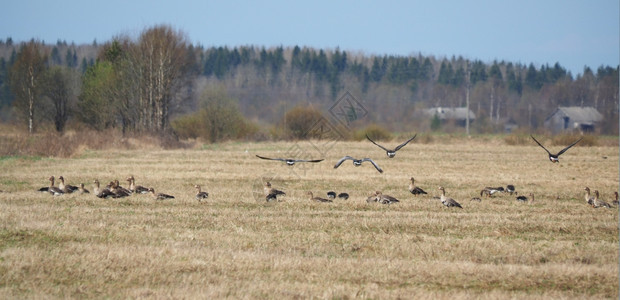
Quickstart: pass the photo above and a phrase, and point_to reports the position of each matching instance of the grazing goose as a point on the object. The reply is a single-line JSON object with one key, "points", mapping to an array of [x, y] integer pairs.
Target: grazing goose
{"points": [[66, 188], [318, 199], [448, 202], [510, 189], [54, 190], [331, 195], [415, 190], [596, 203], [554, 158], [524, 199], [357, 162], [160, 196], [385, 199], [616, 201], [343, 196], [200, 194], [291, 161], [391, 153], [82, 190], [102, 193], [271, 193], [489, 191], [138, 189], [589, 198]]}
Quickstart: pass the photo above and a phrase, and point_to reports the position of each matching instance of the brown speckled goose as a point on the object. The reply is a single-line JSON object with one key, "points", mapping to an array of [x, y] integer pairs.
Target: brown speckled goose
{"points": [[448, 202], [101, 192], [318, 199], [200, 194], [66, 188], [271, 193], [415, 190], [160, 196], [138, 189], [54, 190], [596, 203], [385, 199], [616, 201], [83, 190], [588, 197]]}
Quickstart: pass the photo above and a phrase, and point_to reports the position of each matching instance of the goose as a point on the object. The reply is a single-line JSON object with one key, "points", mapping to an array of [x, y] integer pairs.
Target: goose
{"points": [[448, 202], [372, 198], [54, 190], [415, 190], [271, 193], [291, 161], [45, 189], [391, 153], [588, 198], [554, 158], [357, 162], [489, 191], [616, 201], [318, 199], [510, 189], [596, 203], [138, 189], [160, 196], [66, 188], [82, 190], [385, 199], [200, 194], [331, 195], [343, 196], [118, 191], [522, 198], [101, 193]]}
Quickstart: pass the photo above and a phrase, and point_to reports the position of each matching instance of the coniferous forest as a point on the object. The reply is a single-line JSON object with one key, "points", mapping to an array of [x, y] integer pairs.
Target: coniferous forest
{"points": [[158, 82]]}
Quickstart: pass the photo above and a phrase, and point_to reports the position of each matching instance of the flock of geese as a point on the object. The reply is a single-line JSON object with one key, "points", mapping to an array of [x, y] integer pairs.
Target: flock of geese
{"points": [[114, 190]]}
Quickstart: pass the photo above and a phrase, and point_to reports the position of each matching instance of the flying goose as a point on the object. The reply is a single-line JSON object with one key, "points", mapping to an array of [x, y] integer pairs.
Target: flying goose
{"points": [[589, 199], [448, 202], [343, 196], [271, 193], [291, 161], [160, 196], [82, 190], [391, 153], [385, 199], [357, 162], [554, 158], [138, 189], [200, 194], [318, 199], [415, 190], [66, 188], [331, 195], [596, 203], [54, 190]]}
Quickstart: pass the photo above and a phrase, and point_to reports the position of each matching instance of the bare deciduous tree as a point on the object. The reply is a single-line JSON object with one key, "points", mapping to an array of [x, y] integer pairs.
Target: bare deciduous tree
{"points": [[26, 75]]}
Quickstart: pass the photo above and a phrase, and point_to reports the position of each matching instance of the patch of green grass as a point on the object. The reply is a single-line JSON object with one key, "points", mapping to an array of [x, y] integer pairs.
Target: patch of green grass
{"points": [[10, 238]]}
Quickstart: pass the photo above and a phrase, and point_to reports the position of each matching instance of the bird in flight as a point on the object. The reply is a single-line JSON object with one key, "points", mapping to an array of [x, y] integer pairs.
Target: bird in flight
{"points": [[391, 153], [357, 162], [291, 161], [554, 158]]}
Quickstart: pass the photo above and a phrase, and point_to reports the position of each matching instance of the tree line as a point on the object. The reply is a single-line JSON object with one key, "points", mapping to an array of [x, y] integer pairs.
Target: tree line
{"points": [[143, 84]]}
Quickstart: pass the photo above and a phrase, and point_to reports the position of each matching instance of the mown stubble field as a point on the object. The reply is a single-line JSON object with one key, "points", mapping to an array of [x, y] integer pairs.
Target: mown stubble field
{"points": [[233, 246]]}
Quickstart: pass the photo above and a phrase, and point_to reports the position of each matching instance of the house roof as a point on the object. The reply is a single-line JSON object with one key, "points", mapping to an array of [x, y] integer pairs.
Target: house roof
{"points": [[459, 113], [578, 114]]}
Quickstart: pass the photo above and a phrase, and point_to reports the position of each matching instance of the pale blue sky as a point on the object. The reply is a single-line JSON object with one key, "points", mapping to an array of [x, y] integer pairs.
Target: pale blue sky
{"points": [[573, 33]]}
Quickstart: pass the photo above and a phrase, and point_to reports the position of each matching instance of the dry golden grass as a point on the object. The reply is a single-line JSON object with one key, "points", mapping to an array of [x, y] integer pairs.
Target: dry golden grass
{"points": [[232, 246]]}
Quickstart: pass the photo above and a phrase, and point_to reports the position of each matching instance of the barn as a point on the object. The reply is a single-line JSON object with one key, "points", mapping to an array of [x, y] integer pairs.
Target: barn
{"points": [[456, 114], [571, 118]]}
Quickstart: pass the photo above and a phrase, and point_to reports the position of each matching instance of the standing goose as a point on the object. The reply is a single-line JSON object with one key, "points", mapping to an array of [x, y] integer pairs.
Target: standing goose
{"points": [[101, 193], [589, 199], [596, 203], [318, 199], [554, 158], [54, 190], [138, 189], [391, 153], [448, 202], [271, 193], [200, 194], [160, 196], [415, 190], [357, 162], [291, 161], [66, 188], [385, 199]]}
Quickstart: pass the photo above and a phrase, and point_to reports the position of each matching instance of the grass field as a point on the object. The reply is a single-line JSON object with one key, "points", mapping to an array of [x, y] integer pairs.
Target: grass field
{"points": [[233, 246]]}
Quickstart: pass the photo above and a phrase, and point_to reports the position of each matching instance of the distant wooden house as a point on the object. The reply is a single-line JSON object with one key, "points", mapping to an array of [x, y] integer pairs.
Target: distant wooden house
{"points": [[571, 118], [456, 114]]}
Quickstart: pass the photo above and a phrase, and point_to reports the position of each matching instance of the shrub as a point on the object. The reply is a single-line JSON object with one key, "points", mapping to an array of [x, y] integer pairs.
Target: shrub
{"points": [[299, 122], [375, 132]]}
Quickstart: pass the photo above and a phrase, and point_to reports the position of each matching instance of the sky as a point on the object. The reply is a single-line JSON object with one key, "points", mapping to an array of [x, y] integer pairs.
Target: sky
{"points": [[572, 33]]}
